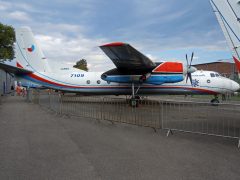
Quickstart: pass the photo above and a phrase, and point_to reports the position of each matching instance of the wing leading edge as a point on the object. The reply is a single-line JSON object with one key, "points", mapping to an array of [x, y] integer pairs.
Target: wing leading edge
{"points": [[125, 57]]}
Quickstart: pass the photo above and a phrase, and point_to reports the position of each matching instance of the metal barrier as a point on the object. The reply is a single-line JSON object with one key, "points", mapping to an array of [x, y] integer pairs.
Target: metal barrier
{"points": [[44, 99], [83, 106], [146, 113], [203, 118], [193, 117]]}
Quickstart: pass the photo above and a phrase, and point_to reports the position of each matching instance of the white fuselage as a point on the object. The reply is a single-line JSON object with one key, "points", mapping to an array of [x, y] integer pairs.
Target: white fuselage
{"points": [[74, 80]]}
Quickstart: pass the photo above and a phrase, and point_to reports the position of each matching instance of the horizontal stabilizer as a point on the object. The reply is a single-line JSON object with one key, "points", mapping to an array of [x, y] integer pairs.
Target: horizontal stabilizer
{"points": [[13, 69]]}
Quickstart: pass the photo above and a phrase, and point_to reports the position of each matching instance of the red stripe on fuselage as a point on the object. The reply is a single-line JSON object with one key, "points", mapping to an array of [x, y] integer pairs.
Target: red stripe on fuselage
{"points": [[49, 82], [193, 89]]}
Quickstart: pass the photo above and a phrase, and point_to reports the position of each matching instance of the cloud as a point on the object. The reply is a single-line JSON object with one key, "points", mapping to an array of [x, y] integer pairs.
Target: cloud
{"points": [[71, 30], [4, 5], [62, 48], [19, 15]]}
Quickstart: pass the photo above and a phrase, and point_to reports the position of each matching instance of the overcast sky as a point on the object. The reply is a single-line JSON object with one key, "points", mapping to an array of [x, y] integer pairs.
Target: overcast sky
{"points": [[69, 30]]}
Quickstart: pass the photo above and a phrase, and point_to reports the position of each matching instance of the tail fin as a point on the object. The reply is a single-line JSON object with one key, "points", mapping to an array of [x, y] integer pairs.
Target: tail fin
{"points": [[228, 16], [28, 53]]}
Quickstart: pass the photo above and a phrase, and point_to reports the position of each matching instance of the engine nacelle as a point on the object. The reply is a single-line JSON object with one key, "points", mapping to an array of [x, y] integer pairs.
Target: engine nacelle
{"points": [[149, 78], [165, 72]]}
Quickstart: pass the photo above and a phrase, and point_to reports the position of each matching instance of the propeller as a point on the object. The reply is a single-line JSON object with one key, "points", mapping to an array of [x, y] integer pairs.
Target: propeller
{"points": [[190, 68]]}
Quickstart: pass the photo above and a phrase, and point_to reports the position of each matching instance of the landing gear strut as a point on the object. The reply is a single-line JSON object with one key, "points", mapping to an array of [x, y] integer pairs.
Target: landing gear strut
{"points": [[134, 99]]}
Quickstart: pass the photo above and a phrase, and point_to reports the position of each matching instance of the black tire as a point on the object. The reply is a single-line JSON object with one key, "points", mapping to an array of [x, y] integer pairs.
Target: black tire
{"points": [[137, 97], [215, 102]]}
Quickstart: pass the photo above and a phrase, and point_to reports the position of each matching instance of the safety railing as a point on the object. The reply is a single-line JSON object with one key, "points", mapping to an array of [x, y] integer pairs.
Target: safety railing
{"points": [[146, 113], [193, 117], [203, 118], [83, 106]]}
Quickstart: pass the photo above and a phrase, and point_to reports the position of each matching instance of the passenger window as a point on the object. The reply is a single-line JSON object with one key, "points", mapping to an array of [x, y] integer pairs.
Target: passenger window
{"points": [[108, 82], [88, 81], [98, 81], [212, 74]]}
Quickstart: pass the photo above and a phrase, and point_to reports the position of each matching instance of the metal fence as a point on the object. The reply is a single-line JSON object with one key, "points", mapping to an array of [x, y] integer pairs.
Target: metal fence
{"points": [[202, 118], [147, 113]]}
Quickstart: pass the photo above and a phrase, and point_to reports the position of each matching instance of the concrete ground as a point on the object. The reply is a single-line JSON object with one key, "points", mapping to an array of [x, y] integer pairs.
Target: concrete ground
{"points": [[37, 144]]}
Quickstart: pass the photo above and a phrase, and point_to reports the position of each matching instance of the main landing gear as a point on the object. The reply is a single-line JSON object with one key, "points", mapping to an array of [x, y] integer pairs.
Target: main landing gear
{"points": [[134, 101]]}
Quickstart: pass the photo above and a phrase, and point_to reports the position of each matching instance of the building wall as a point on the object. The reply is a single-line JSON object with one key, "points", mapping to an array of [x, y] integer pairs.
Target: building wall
{"points": [[224, 68], [6, 81]]}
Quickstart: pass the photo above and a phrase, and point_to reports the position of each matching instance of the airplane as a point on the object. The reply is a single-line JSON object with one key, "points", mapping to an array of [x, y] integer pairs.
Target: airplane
{"points": [[228, 16], [135, 74]]}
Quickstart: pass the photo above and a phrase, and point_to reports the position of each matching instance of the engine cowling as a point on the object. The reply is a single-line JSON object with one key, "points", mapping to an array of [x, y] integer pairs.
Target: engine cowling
{"points": [[167, 72]]}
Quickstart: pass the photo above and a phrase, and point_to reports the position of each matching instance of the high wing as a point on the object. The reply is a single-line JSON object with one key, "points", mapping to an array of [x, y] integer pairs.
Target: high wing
{"points": [[13, 69], [125, 57]]}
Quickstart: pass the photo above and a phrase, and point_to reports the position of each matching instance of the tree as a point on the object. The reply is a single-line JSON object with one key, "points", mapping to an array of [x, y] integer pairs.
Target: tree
{"points": [[81, 64], [7, 39]]}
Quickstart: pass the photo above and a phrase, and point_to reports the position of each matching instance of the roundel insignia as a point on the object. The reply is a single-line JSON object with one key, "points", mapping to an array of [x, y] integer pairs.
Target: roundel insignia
{"points": [[31, 49]]}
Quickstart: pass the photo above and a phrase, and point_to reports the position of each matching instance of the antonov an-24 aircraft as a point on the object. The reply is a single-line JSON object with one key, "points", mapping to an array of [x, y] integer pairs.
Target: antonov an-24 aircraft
{"points": [[134, 73]]}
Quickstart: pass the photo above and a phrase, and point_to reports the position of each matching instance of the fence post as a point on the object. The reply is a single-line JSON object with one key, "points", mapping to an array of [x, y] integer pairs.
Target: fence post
{"points": [[28, 95], [60, 103], [102, 109], [161, 115], [49, 99], [38, 99]]}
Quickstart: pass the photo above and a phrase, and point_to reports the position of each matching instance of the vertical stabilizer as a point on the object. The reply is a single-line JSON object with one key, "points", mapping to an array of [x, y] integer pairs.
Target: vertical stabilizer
{"points": [[28, 53], [228, 16]]}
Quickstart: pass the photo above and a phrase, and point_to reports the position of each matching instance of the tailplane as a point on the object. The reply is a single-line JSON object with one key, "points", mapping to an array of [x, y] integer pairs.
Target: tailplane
{"points": [[28, 53], [228, 16]]}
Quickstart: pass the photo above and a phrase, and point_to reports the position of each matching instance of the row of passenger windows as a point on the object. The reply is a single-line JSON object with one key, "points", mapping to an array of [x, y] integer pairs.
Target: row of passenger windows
{"points": [[98, 82]]}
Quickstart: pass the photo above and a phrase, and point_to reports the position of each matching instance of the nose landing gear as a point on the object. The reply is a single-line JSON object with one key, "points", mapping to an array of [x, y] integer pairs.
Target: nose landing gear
{"points": [[215, 101]]}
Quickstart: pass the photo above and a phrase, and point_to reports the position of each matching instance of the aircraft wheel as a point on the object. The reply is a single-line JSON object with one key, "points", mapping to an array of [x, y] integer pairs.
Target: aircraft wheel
{"points": [[215, 102], [137, 97], [134, 102]]}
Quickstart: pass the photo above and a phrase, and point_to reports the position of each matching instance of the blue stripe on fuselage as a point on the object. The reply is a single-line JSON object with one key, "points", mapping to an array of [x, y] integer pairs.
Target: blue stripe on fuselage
{"points": [[154, 79]]}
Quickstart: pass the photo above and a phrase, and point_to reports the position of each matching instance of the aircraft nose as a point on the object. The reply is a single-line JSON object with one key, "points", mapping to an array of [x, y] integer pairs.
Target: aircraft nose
{"points": [[235, 86]]}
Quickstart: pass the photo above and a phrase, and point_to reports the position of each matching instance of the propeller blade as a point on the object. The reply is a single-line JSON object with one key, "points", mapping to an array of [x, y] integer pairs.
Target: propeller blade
{"points": [[190, 77], [191, 59], [190, 69]]}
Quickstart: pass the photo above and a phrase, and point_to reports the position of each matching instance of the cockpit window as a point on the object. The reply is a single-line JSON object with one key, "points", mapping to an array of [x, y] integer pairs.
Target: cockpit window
{"points": [[212, 74], [217, 75]]}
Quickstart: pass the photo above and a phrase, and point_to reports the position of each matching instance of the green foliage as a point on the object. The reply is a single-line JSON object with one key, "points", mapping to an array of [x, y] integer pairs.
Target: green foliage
{"points": [[81, 64], [7, 39]]}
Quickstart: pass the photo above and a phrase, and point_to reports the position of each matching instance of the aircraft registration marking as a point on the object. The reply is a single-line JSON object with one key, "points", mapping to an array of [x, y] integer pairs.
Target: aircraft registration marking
{"points": [[77, 75]]}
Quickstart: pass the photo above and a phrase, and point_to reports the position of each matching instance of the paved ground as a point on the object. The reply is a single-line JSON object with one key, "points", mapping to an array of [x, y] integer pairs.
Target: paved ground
{"points": [[36, 144]]}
